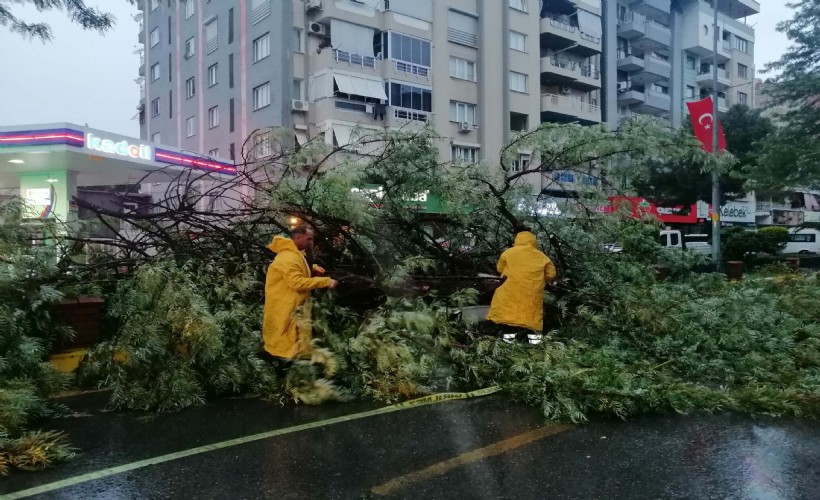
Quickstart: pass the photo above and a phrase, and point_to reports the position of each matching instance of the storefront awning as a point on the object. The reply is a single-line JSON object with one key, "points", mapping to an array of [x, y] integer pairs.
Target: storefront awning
{"points": [[364, 87]]}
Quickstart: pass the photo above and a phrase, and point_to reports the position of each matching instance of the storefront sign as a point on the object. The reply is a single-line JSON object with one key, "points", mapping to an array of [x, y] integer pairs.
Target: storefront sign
{"points": [[640, 207], [122, 148], [741, 212]]}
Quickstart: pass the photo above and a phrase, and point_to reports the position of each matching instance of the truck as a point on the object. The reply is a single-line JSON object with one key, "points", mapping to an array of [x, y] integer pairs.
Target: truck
{"points": [[673, 238]]}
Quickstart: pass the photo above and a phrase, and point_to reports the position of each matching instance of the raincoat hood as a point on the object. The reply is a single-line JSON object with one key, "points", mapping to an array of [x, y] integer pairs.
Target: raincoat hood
{"points": [[525, 238], [280, 243]]}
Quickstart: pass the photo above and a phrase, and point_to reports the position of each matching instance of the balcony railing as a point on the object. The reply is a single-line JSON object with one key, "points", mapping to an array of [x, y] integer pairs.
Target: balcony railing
{"points": [[412, 69], [563, 63], [562, 25], [566, 102], [590, 72], [410, 115], [354, 59]]}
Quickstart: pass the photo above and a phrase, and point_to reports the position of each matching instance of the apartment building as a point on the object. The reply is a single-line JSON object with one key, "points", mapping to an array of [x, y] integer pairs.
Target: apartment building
{"points": [[664, 52], [478, 71]]}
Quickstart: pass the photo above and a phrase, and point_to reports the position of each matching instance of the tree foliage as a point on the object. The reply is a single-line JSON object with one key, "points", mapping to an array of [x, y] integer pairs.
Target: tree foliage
{"points": [[791, 156], [89, 18]]}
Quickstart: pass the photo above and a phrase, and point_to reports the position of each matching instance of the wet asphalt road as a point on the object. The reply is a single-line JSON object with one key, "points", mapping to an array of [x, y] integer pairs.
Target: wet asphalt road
{"points": [[481, 448]]}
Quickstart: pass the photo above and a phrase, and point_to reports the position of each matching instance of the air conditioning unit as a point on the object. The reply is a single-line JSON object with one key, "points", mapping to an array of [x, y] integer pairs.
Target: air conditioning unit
{"points": [[623, 87], [318, 29], [298, 105], [565, 89], [465, 127], [313, 5], [368, 108]]}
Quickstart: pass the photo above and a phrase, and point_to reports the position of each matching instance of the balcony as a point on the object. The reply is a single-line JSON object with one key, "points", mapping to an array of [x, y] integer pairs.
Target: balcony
{"points": [[557, 70], [653, 9], [411, 72], [564, 108], [656, 68], [657, 36], [656, 103], [630, 62], [632, 25], [704, 78], [558, 34], [737, 9], [631, 96]]}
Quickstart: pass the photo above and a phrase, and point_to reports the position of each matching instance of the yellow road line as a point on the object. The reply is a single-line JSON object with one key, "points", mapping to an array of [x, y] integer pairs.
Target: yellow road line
{"points": [[466, 458], [120, 469]]}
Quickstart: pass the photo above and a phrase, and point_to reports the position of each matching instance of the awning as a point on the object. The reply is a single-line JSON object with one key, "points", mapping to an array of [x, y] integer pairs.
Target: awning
{"points": [[301, 137], [351, 38], [360, 86], [590, 23], [342, 134]]}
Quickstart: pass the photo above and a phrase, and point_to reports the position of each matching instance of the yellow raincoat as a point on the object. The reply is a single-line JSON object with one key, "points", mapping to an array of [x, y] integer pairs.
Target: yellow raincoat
{"points": [[519, 301], [286, 327]]}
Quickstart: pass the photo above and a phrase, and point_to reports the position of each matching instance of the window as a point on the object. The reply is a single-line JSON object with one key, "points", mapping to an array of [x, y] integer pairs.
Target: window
{"points": [[170, 66], [154, 4], [189, 8], [214, 153], [261, 96], [563, 177], [409, 49], [155, 72], [691, 62], [170, 104], [462, 29], [230, 25], [155, 107], [519, 122], [727, 35], [190, 126], [464, 153], [156, 138], [230, 71], [521, 164], [518, 81], [518, 41], [169, 30], [154, 37], [190, 48], [588, 180], [411, 97], [519, 5], [262, 145], [742, 70], [462, 112], [213, 117], [803, 238], [462, 69], [213, 75], [297, 40], [660, 89], [297, 88], [261, 47], [211, 37], [190, 87], [232, 151], [230, 115], [741, 45], [690, 92], [743, 98]]}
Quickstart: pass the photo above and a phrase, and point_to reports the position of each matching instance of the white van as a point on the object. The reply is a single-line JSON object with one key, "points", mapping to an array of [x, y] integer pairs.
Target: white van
{"points": [[803, 241]]}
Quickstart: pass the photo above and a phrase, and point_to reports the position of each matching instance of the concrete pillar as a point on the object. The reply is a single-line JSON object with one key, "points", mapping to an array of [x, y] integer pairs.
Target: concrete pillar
{"points": [[677, 62], [609, 63]]}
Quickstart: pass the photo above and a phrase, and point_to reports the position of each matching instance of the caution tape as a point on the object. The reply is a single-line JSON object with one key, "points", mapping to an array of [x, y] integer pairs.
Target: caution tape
{"points": [[446, 396], [120, 469]]}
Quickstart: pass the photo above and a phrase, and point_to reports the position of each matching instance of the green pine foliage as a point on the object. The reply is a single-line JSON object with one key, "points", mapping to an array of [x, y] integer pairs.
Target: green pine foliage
{"points": [[27, 335], [182, 334]]}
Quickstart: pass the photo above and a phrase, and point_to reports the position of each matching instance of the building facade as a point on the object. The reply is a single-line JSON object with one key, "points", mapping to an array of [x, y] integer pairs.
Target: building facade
{"points": [[478, 71], [664, 52]]}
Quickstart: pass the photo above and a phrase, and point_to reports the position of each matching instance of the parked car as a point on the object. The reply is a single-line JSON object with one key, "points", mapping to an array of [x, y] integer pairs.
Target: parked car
{"points": [[803, 241], [698, 243]]}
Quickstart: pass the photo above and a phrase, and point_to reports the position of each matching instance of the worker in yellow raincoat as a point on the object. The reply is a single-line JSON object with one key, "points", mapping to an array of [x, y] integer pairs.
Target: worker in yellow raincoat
{"points": [[518, 304], [286, 328]]}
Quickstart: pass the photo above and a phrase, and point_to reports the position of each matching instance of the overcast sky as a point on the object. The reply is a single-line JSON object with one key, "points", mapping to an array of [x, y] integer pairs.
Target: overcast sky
{"points": [[83, 77]]}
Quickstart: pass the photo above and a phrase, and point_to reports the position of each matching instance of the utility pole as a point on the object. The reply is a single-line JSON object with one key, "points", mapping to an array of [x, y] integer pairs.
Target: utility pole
{"points": [[715, 175]]}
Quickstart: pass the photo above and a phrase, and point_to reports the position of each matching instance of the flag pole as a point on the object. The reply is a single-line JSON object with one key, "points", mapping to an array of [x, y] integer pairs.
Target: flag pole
{"points": [[715, 175]]}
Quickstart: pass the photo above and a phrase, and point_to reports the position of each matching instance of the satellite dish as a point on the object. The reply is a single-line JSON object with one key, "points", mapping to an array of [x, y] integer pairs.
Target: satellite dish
{"points": [[137, 17]]}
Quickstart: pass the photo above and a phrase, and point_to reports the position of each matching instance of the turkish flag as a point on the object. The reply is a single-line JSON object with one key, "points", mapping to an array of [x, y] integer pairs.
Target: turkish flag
{"points": [[702, 122]]}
